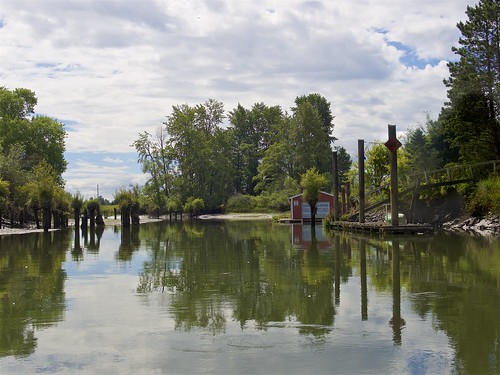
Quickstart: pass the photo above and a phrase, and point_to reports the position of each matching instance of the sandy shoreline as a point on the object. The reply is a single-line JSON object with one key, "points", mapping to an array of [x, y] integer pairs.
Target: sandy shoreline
{"points": [[234, 216], [145, 219]]}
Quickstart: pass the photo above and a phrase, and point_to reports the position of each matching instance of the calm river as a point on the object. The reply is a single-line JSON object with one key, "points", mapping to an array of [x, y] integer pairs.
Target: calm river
{"points": [[248, 298]]}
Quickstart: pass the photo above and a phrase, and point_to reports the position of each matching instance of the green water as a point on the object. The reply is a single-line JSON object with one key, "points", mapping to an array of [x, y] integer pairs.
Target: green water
{"points": [[248, 298]]}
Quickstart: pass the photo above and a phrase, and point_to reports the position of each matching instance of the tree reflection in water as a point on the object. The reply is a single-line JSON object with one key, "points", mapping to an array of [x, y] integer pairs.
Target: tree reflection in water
{"points": [[31, 288], [257, 275]]}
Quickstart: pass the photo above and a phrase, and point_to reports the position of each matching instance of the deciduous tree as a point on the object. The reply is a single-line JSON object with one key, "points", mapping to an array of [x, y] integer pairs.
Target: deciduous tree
{"points": [[312, 182]]}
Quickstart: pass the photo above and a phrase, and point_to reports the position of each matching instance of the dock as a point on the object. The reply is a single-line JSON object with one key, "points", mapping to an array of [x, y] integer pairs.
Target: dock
{"points": [[381, 227]]}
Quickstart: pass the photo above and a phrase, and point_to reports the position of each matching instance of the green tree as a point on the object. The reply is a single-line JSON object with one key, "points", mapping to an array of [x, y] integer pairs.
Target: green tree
{"points": [[252, 134], [77, 205], [312, 182], [472, 123], [156, 159], [128, 201], [199, 145], [377, 165], [41, 137], [277, 163], [44, 139], [194, 206], [344, 163], [12, 171], [322, 106], [16, 104], [4, 197], [44, 188], [311, 143], [421, 155]]}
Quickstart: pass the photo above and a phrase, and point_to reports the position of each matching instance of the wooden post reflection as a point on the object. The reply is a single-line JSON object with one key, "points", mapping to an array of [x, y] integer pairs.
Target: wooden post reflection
{"points": [[364, 289], [337, 270], [77, 251], [397, 322]]}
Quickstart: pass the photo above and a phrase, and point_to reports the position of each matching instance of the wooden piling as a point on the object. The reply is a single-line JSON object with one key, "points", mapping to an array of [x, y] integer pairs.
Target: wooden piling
{"points": [[361, 179]]}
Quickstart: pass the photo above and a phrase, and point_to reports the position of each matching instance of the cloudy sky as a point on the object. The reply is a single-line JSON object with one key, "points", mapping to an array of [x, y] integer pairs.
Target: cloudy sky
{"points": [[110, 70]]}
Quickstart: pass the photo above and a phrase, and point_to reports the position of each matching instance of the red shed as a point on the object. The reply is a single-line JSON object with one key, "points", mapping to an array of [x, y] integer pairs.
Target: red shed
{"points": [[300, 210]]}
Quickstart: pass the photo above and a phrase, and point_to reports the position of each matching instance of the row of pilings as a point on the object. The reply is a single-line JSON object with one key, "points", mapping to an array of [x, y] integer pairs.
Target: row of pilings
{"points": [[392, 145]]}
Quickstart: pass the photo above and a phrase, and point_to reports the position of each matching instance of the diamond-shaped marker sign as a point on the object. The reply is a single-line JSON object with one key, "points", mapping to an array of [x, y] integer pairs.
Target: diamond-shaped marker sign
{"points": [[393, 144]]}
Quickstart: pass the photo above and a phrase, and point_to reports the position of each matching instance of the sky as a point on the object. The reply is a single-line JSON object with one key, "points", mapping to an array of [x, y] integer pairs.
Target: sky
{"points": [[110, 70]]}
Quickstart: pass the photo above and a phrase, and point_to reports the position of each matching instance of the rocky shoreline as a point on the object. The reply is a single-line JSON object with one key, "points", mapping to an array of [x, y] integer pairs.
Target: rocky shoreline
{"points": [[489, 225]]}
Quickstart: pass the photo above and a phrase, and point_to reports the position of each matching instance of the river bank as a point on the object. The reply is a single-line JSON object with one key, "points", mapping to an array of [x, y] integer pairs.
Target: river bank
{"points": [[111, 221], [489, 225], [484, 226]]}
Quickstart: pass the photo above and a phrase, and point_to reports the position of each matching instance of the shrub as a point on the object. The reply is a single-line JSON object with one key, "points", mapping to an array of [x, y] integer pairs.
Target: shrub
{"points": [[241, 203], [486, 197]]}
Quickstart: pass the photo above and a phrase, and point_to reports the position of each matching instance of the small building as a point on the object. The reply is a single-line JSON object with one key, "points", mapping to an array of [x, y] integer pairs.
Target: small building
{"points": [[300, 210]]}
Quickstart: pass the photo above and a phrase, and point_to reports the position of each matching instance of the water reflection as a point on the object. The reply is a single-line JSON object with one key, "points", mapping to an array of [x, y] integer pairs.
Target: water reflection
{"points": [[404, 297], [293, 277], [397, 322], [31, 288], [363, 279], [129, 243], [451, 280], [257, 273]]}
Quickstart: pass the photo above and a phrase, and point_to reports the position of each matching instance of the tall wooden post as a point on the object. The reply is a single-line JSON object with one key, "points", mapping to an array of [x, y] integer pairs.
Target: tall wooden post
{"points": [[393, 144], [361, 178], [335, 173], [343, 209]]}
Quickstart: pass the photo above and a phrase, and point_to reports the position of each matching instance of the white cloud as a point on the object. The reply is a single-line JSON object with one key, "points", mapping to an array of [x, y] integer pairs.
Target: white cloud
{"points": [[115, 68], [88, 177]]}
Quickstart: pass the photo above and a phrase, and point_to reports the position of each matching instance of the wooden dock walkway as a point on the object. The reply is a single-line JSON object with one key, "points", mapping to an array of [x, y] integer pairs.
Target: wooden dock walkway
{"points": [[380, 227]]}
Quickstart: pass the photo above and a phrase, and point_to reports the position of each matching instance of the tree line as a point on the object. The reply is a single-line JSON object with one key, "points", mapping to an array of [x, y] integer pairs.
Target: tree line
{"points": [[252, 158], [31, 162]]}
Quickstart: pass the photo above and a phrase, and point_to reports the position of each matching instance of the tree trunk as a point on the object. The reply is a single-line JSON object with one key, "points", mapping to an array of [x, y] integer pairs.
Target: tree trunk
{"points": [[84, 220], [125, 214], [46, 218], [37, 218], [57, 219]]}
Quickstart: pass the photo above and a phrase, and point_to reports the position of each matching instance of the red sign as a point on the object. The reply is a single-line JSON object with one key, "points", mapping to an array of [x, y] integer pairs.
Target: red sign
{"points": [[393, 144]]}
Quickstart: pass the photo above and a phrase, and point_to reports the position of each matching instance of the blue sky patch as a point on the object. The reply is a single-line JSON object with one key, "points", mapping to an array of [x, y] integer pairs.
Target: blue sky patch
{"points": [[410, 57]]}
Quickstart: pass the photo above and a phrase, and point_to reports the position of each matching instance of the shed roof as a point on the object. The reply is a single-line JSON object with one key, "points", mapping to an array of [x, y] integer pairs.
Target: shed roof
{"points": [[321, 191]]}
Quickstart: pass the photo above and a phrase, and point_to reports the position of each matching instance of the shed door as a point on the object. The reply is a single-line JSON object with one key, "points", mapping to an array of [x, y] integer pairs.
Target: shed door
{"points": [[322, 209]]}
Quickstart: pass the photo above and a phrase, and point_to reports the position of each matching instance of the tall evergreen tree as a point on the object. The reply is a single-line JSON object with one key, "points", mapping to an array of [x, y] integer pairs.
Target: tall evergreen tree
{"points": [[472, 117]]}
